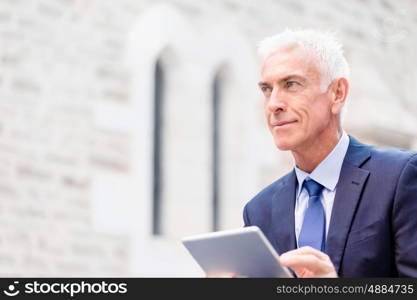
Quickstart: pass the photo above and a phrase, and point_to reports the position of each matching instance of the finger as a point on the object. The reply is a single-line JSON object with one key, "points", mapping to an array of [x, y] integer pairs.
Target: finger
{"points": [[307, 250], [306, 261]]}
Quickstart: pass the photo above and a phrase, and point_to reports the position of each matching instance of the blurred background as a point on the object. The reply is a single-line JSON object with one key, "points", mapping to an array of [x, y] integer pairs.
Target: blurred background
{"points": [[126, 125]]}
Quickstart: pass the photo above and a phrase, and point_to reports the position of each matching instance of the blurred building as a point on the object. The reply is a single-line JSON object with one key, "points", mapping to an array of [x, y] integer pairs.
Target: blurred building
{"points": [[126, 125]]}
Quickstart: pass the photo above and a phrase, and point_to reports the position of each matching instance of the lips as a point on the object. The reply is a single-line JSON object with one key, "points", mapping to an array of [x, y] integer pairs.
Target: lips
{"points": [[282, 123]]}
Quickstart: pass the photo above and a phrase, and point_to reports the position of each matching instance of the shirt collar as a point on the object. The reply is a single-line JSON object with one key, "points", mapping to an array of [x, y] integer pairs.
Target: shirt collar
{"points": [[328, 171]]}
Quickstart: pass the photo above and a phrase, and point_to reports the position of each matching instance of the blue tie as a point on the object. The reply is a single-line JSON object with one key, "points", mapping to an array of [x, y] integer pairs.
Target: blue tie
{"points": [[313, 231]]}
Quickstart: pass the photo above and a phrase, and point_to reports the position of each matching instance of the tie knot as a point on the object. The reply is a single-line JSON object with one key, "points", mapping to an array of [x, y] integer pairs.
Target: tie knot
{"points": [[313, 188]]}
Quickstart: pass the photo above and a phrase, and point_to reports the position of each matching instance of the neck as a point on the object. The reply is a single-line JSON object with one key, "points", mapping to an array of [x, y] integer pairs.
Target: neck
{"points": [[308, 157]]}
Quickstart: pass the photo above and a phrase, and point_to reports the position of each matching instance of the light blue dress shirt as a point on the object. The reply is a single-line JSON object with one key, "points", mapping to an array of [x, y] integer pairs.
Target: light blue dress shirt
{"points": [[327, 174]]}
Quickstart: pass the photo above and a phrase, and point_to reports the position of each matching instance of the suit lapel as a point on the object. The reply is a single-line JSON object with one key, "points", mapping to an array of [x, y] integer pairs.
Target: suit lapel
{"points": [[349, 189], [282, 219]]}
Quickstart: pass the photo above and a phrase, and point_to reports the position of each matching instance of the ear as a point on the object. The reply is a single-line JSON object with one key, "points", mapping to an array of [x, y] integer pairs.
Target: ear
{"points": [[339, 93]]}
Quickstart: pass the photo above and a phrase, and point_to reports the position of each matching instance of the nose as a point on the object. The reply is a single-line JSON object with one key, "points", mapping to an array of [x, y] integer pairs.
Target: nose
{"points": [[276, 102]]}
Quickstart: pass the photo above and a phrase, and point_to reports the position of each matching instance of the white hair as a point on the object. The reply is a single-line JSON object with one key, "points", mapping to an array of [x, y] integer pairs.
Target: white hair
{"points": [[324, 47]]}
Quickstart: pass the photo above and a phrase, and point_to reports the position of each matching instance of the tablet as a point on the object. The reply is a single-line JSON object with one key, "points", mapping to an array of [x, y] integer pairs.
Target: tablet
{"points": [[244, 252]]}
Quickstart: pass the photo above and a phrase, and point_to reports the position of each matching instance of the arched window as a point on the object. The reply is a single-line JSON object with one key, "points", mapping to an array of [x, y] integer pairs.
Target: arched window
{"points": [[157, 165]]}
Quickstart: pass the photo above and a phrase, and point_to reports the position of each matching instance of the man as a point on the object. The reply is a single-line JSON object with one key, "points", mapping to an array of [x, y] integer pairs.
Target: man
{"points": [[347, 209]]}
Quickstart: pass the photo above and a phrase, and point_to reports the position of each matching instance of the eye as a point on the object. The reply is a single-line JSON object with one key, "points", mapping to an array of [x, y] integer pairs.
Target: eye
{"points": [[265, 89], [291, 84]]}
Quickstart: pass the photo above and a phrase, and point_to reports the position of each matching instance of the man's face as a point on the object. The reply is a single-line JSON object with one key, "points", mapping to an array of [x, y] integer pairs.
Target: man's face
{"points": [[297, 110]]}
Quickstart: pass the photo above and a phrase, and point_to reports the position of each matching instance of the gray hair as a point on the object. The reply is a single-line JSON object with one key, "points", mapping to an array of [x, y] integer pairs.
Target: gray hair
{"points": [[324, 47]]}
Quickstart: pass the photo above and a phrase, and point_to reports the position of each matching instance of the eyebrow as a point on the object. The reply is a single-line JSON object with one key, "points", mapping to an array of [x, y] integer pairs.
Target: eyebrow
{"points": [[286, 78]]}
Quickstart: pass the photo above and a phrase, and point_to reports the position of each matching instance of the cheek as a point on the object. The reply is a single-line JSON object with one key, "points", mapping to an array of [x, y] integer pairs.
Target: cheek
{"points": [[304, 114], [318, 119], [265, 109], [315, 115], [266, 114]]}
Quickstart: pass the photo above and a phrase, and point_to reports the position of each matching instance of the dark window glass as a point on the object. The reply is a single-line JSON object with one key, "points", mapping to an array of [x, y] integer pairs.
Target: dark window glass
{"points": [[216, 95], [157, 148]]}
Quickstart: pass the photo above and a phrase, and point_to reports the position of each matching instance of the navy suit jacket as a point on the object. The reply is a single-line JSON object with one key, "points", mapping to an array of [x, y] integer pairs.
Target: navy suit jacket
{"points": [[373, 225]]}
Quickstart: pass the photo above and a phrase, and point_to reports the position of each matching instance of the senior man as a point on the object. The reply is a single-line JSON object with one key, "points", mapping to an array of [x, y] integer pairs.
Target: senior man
{"points": [[346, 209]]}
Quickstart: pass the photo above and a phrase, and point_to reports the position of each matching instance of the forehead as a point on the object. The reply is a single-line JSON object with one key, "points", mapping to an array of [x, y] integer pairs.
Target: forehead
{"points": [[289, 61]]}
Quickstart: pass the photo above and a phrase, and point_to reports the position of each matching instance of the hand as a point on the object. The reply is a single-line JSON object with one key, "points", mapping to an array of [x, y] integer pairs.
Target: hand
{"points": [[308, 262]]}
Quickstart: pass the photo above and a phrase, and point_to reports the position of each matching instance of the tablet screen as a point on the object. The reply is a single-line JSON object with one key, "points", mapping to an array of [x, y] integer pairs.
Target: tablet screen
{"points": [[243, 252]]}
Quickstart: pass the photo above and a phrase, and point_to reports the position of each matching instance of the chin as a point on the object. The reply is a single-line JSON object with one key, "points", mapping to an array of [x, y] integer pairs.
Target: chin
{"points": [[286, 142], [284, 145], [285, 139]]}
